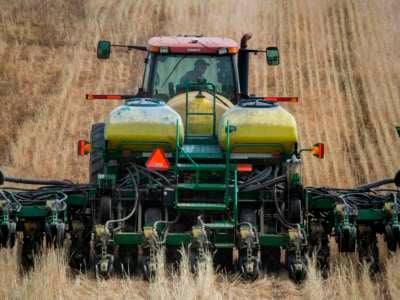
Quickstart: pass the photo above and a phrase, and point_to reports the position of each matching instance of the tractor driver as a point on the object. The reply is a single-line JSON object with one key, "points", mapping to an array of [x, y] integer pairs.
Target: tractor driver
{"points": [[197, 74]]}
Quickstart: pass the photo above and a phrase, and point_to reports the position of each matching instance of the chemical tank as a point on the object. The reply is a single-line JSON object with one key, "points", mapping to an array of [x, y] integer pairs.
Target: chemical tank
{"points": [[200, 102], [141, 124], [259, 127]]}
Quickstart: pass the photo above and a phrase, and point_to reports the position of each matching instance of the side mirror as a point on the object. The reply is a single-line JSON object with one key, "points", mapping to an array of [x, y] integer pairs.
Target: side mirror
{"points": [[103, 49], [398, 130], [272, 54], [397, 179], [318, 150], [1, 178]]}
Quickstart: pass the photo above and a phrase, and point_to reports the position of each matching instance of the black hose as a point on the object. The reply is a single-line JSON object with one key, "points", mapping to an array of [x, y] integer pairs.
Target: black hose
{"points": [[36, 181], [154, 173], [257, 178], [372, 185], [127, 217], [269, 183]]}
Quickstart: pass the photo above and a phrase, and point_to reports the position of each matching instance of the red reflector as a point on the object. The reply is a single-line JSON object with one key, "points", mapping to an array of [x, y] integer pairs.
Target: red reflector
{"points": [[81, 147], [158, 161], [282, 99], [84, 147], [318, 150], [244, 167]]}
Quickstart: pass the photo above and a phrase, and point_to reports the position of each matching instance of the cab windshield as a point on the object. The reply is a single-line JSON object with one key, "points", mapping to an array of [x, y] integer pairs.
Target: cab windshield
{"points": [[173, 72]]}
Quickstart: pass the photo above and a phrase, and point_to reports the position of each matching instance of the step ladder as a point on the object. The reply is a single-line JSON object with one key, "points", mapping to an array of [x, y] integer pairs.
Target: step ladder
{"points": [[205, 147]]}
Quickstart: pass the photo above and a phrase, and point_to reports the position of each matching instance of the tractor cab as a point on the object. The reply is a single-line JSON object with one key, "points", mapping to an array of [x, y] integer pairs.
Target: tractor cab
{"points": [[175, 63]]}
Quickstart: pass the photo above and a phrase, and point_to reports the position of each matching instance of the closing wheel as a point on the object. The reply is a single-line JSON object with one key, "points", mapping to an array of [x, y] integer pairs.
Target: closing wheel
{"points": [[104, 210], [367, 247], [346, 240], [3, 240], [390, 239], [8, 235], [105, 267], [250, 269], [297, 271], [341, 241], [294, 213], [196, 256], [60, 236], [149, 268], [12, 234]]}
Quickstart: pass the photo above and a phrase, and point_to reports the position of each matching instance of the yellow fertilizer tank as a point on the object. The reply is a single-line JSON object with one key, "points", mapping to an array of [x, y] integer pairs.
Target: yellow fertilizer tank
{"points": [[267, 128], [140, 125], [200, 102]]}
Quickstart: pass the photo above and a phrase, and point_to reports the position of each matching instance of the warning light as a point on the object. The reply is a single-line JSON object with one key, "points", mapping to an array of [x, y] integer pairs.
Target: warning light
{"points": [[158, 161], [244, 167], [84, 147], [318, 150]]}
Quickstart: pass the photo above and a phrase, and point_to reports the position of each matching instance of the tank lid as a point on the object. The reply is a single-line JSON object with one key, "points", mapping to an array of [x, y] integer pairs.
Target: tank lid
{"points": [[145, 102], [259, 102]]}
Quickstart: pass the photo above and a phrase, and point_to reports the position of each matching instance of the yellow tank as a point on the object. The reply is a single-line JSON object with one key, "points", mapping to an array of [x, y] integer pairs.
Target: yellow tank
{"points": [[265, 129], [142, 121], [200, 103]]}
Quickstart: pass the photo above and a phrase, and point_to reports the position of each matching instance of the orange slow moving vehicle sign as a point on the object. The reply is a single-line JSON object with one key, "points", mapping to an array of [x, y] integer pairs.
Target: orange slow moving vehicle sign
{"points": [[158, 161]]}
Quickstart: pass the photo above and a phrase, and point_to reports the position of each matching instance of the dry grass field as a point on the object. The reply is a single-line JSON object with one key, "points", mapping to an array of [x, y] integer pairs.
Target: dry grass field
{"points": [[340, 56]]}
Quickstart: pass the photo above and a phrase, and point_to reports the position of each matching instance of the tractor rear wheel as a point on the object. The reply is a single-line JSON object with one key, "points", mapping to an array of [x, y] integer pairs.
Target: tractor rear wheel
{"points": [[97, 140]]}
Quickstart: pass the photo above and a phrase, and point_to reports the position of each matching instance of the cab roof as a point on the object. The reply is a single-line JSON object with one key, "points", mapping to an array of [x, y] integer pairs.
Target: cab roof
{"points": [[192, 44]]}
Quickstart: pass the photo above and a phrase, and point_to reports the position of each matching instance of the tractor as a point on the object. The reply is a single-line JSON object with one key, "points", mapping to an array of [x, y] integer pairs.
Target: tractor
{"points": [[194, 163]]}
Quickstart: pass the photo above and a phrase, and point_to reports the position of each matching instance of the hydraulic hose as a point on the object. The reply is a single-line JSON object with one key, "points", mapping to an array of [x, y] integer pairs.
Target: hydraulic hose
{"points": [[269, 183], [107, 224], [257, 178], [36, 181], [372, 185], [168, 223], [281, 216]]}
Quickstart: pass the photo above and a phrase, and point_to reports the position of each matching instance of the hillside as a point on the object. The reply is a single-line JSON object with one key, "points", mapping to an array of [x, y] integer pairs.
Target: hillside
{"points": [[340, 57]]}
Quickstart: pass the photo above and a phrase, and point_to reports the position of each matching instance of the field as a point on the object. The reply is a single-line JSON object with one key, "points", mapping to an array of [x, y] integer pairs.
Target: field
{"points": [[340, 57]]}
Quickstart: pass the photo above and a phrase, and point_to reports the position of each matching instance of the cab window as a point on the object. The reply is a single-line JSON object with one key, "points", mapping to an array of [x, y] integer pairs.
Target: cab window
{"points": [[172, 72]]}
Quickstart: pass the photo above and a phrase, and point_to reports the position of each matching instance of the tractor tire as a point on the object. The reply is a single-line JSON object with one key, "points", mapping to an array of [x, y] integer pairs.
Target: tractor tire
{"points": [[390, 239], [97, 140]]}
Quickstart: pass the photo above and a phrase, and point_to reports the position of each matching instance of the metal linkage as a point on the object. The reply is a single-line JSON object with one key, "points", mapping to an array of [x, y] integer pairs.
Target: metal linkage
{"points": [[199, 245], [249, 246], [296, 254], [355, 216]]}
